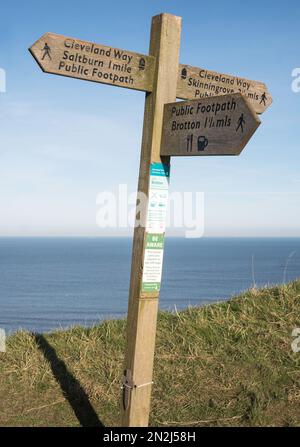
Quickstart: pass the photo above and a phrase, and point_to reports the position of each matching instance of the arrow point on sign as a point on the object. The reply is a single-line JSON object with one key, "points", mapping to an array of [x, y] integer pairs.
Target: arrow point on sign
{"points": [[34, 50], [253, 125]]}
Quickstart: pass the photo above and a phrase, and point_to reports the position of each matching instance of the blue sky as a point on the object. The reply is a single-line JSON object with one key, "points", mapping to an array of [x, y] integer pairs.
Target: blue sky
{"points": [[62, 141]]}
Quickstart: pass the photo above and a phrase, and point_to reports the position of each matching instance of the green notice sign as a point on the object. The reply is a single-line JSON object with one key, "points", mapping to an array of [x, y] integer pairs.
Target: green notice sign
{"points": [[153, 262]]}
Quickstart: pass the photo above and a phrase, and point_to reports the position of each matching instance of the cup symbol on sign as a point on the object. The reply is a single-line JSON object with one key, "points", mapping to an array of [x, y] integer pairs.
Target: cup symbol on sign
{"points": [[202, 143]]}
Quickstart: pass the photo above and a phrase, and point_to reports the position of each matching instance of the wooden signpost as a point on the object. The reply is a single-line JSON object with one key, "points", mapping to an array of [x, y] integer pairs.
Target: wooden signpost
{"points": [[205, 126], [217, 125]]}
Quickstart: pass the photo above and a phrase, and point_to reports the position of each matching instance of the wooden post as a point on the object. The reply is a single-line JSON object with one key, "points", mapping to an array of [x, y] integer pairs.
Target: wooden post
{"points": [[143, 306]]}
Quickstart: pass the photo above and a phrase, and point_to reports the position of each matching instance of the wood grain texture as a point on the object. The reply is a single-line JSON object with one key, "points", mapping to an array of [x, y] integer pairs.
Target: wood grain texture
{"points": [[197, 83], [89, 61], [142, 307], [218, 125]]}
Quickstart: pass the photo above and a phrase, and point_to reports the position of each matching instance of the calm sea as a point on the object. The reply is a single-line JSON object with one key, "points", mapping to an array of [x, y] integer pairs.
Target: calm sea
{"points": [[48, 283]]}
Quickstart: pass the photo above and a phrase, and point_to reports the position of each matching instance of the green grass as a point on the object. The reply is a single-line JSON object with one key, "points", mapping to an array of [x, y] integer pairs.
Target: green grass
{"points": [[227, 364]]}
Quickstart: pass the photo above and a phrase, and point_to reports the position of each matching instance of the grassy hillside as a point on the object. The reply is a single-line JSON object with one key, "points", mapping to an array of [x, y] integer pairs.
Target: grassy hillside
{"points": [[223, 364]]}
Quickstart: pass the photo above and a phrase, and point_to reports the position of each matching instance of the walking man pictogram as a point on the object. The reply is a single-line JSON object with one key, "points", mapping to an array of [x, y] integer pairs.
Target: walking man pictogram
{"points": [[263, 98], [47, 51], [241, 122]]}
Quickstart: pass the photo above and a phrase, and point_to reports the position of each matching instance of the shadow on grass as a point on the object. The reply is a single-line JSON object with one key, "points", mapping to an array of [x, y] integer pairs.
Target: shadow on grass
{"points": [[70, 386]]}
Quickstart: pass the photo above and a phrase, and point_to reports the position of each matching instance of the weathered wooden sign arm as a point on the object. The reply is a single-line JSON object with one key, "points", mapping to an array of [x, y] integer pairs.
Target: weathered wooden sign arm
{"points": [[200, 83], [67, 56], [216, 125]]}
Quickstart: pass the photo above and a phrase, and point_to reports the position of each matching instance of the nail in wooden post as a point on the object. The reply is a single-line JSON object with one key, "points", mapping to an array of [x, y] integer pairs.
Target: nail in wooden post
{"points": [[143, 295]]}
